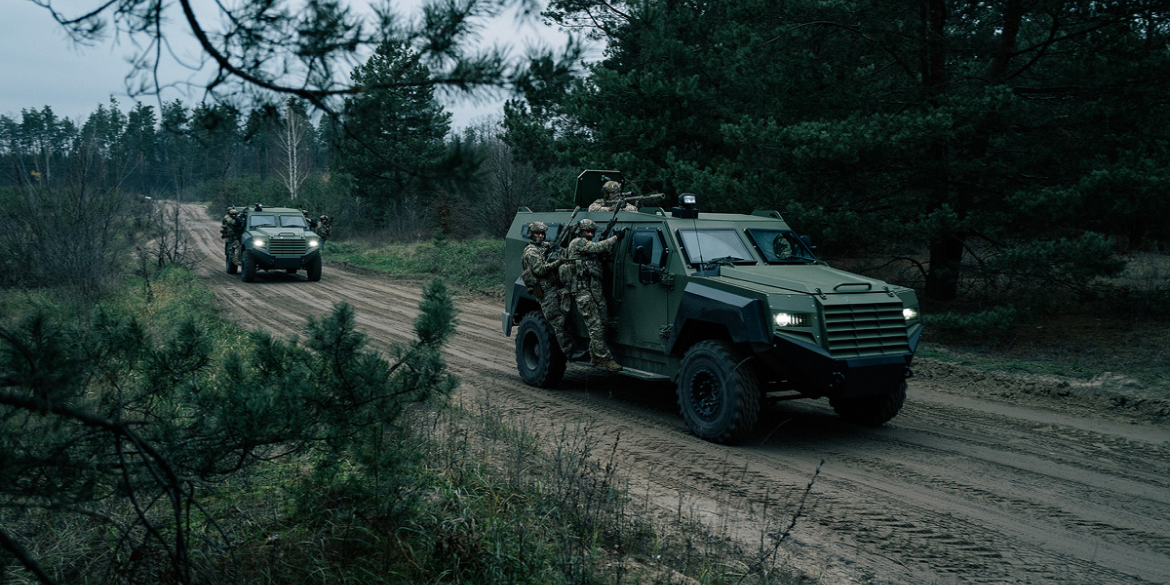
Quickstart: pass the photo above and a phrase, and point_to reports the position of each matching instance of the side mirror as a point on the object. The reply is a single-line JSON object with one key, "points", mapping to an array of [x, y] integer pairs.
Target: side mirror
{"points": [[643, 245], [641, 255], [807, 241]]}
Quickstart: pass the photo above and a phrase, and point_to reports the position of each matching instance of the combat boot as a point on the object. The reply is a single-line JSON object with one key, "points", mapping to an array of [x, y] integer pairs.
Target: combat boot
{"points": [[606, 363]]}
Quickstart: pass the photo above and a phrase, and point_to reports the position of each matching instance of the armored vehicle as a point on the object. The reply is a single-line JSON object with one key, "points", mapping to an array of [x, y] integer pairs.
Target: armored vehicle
{"points": [[732, 308], [276, 238]]}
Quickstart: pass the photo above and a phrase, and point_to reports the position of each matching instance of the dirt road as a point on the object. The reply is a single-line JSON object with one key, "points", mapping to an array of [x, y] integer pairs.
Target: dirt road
{"points": [[956, 489]]}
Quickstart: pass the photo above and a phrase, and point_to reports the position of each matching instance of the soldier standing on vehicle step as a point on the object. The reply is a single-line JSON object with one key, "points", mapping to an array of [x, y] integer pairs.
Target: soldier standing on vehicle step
{"points": [[324, 227], [540, 275], [230, 230], [588, 292]]}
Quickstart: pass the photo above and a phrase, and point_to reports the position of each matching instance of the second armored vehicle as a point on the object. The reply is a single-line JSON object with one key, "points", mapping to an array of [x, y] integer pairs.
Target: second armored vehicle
{"points": [[276, 238]]}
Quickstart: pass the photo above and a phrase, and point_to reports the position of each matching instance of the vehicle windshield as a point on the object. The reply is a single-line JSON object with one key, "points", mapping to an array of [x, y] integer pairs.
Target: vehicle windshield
{"points": [[781, 247], [292, 221], [707, 245], [259, 221]]}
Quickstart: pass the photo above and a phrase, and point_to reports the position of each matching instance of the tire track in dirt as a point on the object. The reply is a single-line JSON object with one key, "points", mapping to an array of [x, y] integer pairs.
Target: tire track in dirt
{"points": [[954, 490]]}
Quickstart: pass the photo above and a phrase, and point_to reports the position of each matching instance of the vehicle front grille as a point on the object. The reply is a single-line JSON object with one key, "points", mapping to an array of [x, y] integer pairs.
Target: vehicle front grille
{"points": [[287, 246], [866, 330]]}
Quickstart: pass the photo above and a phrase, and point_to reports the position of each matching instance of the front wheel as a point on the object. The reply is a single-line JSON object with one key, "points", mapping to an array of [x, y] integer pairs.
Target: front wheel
{"points": [[538, 356], [871, 411], [247, 266], [313, 270], [718, 395]]}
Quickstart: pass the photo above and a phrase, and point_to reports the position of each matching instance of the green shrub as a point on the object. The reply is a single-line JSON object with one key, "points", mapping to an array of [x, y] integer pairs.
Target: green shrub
{"points": [[972, 328]]}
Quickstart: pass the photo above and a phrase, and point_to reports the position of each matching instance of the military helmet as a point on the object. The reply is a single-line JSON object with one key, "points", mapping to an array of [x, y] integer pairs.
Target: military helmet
{"points": [[537, 227], [588, 225], [611, 188], [232, 211]]}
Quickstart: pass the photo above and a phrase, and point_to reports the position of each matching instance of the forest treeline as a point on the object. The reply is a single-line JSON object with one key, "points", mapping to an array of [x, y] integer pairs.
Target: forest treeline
{"points": [[980, 152]]}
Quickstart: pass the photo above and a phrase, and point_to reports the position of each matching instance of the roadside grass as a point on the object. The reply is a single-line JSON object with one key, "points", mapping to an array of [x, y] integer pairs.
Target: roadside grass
{"points": [[484, 499], [470, 265]]}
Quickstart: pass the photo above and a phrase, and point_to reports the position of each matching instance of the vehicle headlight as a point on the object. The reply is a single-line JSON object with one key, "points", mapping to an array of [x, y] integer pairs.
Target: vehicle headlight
{"points": [[259, 243], [313, 243], [791, 320], [909, 314]]}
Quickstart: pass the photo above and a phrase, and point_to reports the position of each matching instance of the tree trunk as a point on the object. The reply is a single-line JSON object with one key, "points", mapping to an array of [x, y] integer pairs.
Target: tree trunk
{"points": [[946, 249], [942, 279]]}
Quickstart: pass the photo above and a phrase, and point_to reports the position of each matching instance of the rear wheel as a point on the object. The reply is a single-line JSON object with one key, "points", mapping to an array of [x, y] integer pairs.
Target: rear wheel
{"points": [[538, 356], [247, 266], [871, 411], [313, 270], [719, 397]]}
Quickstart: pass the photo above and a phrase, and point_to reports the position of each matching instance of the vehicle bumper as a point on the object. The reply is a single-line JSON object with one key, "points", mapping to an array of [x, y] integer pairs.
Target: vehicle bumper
{"points": [[818, 373], [268, 261]]}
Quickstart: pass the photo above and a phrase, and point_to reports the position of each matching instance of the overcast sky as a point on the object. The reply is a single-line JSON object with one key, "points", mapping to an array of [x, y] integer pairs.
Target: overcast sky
{"points": [[40, 66]]}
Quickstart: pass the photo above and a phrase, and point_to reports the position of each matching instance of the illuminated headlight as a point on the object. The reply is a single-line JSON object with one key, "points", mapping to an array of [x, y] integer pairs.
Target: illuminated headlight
{"points": [[909, 314], [314, 243], [258, 243], [791, 320]]}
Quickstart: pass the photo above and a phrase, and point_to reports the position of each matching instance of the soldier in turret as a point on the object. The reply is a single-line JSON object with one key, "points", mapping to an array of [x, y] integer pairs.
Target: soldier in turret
{"points": [[588, 292], [610, 192]]}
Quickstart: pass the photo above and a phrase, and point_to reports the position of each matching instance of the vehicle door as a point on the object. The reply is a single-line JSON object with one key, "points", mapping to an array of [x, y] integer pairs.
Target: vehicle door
{"points": [[647, 289]]}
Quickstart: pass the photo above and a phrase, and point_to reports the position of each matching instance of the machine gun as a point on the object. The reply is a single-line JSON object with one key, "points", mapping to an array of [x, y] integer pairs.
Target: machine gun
{"points": [[620, 204]]}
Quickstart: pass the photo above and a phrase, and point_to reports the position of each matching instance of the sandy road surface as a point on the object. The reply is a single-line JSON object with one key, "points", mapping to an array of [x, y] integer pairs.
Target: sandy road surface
{"points": [[956, 489]]}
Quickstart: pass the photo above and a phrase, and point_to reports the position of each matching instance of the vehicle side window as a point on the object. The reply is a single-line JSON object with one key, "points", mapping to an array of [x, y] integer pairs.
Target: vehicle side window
{"points": [[257, 221]]}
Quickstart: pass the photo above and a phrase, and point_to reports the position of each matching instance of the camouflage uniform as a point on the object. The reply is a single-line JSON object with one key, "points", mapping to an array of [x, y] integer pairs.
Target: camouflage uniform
{"points": [[610, 191], [324, 227], [229, 230], [587, 291], [603, 205], [541, 276]]}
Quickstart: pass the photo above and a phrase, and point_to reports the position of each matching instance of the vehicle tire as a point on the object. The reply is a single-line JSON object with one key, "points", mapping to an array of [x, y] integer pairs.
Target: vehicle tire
{"points": [[871, 411], [313, 270], [538, 356], [247, 266], [719, 397]]}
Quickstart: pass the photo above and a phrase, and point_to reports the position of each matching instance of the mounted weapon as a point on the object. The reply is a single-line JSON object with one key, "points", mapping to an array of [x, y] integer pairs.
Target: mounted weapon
{"points": [[620, 204]]}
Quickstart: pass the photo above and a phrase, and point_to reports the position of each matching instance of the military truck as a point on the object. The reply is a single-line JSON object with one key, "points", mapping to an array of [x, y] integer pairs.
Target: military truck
{"points": [[275, 238], [733, 309]]}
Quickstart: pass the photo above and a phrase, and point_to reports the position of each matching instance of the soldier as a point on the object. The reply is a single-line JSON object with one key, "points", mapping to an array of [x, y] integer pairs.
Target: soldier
{"points": [[324, 227], [587, 290], [312, 223], [541, 277], [610, 192], [230, 230]]}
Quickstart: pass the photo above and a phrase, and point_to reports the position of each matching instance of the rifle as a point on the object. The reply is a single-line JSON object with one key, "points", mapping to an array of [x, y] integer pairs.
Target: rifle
{"points": [[620, 204], [561, 236]]}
